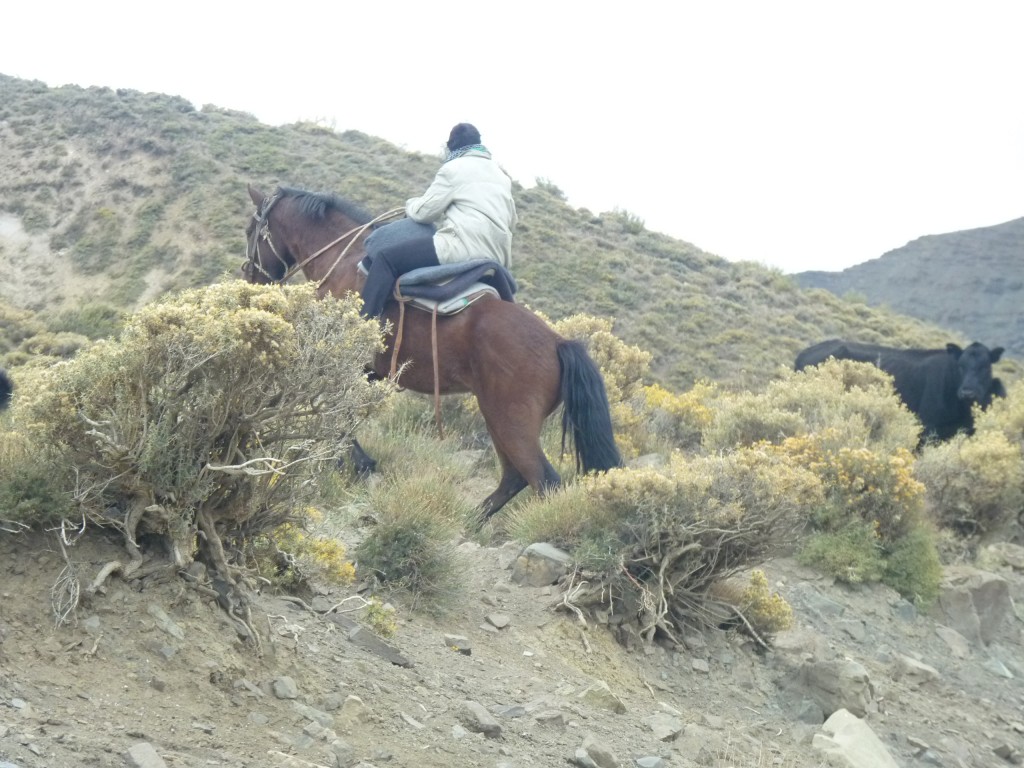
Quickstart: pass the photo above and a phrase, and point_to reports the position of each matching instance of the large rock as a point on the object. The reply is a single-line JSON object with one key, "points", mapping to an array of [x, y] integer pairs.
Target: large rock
{"points": [[835, 685], [914, 672], [848, 742], [477, 719], [540, 565], [600, 695], [975, 603]]}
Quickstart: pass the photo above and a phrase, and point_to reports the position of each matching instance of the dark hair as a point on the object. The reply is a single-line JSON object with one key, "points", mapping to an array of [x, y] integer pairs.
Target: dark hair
{"points": [[463, 135]]}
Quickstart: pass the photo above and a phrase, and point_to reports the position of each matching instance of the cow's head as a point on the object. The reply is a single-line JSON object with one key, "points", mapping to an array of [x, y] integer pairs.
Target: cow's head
{"points": [[975, 364]]}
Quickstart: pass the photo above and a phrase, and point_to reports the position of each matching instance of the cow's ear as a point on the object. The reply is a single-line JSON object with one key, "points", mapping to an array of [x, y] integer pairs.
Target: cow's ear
{"points": [[995, 354], [954, 350], [997, 389]]}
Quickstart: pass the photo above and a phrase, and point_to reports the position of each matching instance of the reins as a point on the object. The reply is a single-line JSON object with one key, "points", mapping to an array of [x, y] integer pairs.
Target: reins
{"points": [[263, 232]]}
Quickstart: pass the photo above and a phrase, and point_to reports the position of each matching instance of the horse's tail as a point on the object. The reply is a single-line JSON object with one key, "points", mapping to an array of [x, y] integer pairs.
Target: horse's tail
{"points": [[585, 412], [6, 388]]}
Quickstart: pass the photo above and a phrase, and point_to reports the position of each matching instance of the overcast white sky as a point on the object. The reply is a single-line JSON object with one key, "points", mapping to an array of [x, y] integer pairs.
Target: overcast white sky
{"points": [[802, 135]]}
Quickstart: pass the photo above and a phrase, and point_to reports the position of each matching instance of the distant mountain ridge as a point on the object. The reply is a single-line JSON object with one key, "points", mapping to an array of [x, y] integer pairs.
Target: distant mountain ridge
{"points": [[970, 281]]}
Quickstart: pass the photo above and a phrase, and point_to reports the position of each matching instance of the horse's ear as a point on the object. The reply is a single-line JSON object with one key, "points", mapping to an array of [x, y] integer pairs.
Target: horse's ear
{"points": [[995, 354], [256, 195]]}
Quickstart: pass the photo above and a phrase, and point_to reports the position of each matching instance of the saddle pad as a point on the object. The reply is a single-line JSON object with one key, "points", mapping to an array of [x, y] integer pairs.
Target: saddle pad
{"points": [[453, 305]]}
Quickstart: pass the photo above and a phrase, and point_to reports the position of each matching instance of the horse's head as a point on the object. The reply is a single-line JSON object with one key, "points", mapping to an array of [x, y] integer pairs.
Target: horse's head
{"points": [[266, 261]]}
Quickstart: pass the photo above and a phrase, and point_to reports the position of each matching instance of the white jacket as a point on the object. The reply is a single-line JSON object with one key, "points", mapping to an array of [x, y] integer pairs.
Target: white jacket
{"points": [[470, 203]]}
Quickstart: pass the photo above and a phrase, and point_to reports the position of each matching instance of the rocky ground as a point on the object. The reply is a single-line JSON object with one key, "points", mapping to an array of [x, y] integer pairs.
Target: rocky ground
{"points": [[152, 674]]}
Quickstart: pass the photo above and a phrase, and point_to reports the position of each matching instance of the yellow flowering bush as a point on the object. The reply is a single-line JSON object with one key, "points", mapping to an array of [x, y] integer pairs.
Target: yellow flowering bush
{"points": [[976, 484], [767, 611], [293, 553]]}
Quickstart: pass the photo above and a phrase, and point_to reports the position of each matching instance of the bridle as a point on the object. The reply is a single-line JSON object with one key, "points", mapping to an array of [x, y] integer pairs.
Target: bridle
{"points": [[253, 257], [261, 232]]}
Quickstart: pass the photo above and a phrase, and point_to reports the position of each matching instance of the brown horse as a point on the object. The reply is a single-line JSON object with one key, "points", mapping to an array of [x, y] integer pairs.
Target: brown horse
{"points": [[518, 368]]}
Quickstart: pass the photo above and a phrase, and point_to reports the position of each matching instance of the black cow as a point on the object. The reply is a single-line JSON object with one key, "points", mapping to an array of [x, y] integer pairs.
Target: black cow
{"points": [[6, 388], [938, 385]]}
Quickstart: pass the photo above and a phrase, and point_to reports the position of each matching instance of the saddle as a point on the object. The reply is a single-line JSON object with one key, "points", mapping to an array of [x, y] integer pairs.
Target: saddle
{"points": [[449, 288]]}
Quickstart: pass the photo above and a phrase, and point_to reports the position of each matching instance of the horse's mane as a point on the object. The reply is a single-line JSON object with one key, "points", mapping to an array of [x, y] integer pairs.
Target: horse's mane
{"points": [[315, 205]]}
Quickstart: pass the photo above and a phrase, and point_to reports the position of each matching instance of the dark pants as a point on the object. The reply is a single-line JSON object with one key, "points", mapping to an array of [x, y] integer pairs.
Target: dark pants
{"points": [[388, 264]]}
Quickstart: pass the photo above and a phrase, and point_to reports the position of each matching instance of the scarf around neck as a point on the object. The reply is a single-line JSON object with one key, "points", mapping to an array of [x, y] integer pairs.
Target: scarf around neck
{"points": [[468, 148]]}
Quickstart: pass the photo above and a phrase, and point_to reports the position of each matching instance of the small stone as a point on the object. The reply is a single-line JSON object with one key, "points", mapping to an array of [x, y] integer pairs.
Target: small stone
{"points": [[917, 744], [516, 710], [144, 755], [498, 620], [600, 695], [652, 761], [412, 721], [344, 753], [324, 719], [540, 565], [665, 726], [997, 668], [914, 672], [285, 688], [165, 623], [459, 643], [552, 717], [477, 719], [1004, 751], [700, 665], [333, 701], [714, 721], [354, 710], [599, 754]]}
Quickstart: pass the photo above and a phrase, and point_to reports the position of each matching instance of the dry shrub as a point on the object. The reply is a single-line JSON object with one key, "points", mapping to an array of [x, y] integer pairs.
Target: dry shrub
{"points": [[855, 400], [1004, 415], [60, 344], [31, 491], [210, 418], [653, 541], [411, 545], [661, 421], [975, 484]]}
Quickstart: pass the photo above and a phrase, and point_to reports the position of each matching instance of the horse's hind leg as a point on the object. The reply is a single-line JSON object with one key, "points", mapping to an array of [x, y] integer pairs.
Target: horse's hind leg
{"points": [[520, 467], [511, 483]]}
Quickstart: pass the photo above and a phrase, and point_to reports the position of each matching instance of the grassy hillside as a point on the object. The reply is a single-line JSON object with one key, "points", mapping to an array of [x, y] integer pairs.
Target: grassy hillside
{"points": [[111, 197], [971, 281]]}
